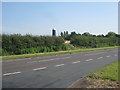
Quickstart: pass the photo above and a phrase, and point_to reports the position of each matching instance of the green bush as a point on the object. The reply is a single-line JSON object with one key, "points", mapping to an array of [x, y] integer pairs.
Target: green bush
{"points": [[21, 44], [93, 42], [4, 52], [46, 49]]}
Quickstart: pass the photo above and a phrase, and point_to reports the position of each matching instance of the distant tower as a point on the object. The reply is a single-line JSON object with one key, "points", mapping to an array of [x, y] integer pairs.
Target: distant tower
{"points": [[53, 32]]}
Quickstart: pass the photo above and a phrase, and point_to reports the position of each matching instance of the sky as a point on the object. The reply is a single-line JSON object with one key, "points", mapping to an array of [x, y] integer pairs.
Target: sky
{"points": [[39, 18]]}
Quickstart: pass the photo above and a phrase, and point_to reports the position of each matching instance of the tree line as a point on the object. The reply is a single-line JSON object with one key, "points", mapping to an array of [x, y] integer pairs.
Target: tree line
{"points": [[19, 44], [88, 40], [15, 44]]}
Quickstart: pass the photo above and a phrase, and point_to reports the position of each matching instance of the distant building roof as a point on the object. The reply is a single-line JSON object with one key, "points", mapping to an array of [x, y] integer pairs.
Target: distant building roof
{"points": [[67, 42]]}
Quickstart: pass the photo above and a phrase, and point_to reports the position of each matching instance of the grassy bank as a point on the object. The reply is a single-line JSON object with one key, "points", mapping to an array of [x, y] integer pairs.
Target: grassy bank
{"points": [[106, 77], [108, 72], [53, 53]]}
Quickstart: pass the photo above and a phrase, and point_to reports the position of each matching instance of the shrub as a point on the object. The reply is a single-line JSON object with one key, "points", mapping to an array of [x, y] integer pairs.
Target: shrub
{"points": [[21, 44]]}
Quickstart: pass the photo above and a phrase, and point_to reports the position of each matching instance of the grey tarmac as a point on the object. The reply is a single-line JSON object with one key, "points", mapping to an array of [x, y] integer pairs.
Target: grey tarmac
{"points": [[58, 71]]}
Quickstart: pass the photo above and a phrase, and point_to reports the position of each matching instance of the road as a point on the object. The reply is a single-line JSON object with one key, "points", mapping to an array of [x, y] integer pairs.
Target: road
{"points": [[58, 71]]}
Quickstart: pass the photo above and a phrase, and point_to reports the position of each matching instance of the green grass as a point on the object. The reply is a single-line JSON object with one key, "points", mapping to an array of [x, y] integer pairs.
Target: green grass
{"points": [[53, 53], [109, 72]]}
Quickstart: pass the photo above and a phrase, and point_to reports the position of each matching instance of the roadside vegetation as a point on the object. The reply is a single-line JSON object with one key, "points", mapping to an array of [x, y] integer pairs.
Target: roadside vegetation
{"points": [[88, 40], [17, 44], [106, 77], [54, 53], [108, 72]]}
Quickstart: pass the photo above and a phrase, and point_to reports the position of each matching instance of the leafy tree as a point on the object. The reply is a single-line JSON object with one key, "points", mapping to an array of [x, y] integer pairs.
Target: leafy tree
{"points": [[86, 34], [111, 34], [101, 35]]}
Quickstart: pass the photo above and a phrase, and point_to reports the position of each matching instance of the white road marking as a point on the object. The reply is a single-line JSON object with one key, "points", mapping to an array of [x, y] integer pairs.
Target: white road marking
{"points": [[76, 62], [48, 60], [39, 68], [28, 58], [32, 62], [59, 65], [66, 57], [94, 53], [17, 60], [11, 73], [89, 60], [115, 55], [107, 56], [99, 57]]}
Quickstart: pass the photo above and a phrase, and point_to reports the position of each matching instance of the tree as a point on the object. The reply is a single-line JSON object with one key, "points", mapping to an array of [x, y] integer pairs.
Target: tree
{"points": [[66, 32], [62, 34], [111, 34], [86, 34], [73, 34], [101, 35]]}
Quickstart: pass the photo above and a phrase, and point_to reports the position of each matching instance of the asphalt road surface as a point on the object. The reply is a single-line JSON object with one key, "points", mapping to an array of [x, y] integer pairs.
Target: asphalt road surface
{"points": [[58, 71]]}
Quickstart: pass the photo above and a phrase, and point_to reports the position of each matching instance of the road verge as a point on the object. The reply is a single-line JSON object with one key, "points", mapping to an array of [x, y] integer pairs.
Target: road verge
{"points": [[54, 53], [105, 77]]}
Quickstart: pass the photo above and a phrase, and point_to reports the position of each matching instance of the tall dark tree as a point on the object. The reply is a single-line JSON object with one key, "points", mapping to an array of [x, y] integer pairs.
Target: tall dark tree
{"points": [[66, 32], [62, 34]]}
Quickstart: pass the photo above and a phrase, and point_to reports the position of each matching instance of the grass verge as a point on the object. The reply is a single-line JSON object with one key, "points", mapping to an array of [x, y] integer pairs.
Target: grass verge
{"points": [[105, 77], [53, 53], [108, 72]]}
